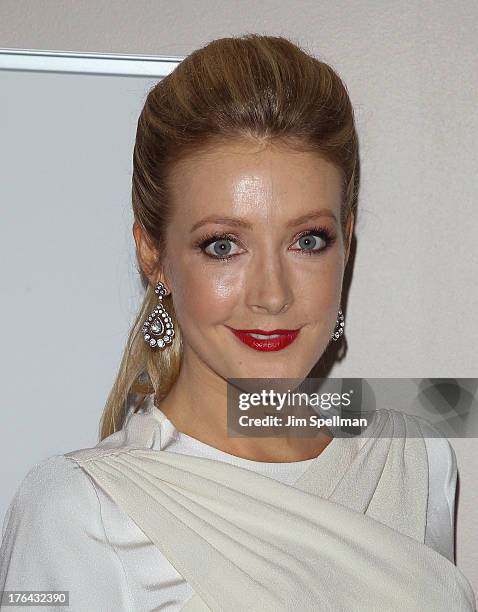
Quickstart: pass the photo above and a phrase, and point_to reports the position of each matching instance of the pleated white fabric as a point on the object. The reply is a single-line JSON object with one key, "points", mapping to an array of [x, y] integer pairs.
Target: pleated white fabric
{"points": [[346, 537]]}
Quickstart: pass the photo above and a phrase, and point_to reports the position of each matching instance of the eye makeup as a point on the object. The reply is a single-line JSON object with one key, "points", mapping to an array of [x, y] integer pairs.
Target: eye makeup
{"points": [[321, 232]]}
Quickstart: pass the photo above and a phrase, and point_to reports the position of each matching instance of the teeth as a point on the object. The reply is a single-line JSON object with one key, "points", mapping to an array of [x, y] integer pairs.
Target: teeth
{"points": [[261, 337]]}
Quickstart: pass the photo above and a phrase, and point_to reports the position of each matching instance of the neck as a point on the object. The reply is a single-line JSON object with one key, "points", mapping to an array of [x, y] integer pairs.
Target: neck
{"points": [[197, 406]]}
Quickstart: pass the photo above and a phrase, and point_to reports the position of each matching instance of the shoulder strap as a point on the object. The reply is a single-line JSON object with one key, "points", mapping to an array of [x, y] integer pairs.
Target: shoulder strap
{"points": [[382, 473]]}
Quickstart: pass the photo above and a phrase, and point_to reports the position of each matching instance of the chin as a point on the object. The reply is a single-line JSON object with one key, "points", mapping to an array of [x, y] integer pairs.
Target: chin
{"points": [[272, 371]]}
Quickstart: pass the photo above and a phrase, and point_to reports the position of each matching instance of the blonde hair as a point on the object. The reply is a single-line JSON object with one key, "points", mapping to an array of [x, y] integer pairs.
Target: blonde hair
{"points": [[253, 86]]}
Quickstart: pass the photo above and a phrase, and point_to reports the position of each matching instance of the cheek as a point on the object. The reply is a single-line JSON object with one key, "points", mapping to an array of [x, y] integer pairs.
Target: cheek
{"points": [[320, 289], [325, 293], [206, 294]]}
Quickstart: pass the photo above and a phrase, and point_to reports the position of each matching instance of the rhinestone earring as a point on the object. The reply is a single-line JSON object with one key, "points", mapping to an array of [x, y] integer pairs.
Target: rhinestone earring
{"points": [[339, 326], [158, 329]]}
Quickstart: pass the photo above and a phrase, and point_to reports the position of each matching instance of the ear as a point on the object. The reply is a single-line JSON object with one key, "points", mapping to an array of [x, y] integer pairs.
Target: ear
{"points": [[348, 235], [147, 255]]}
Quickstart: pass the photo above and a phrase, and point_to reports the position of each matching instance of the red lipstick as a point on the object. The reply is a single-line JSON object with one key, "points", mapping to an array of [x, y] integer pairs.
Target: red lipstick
{"points": [[285, 337]]}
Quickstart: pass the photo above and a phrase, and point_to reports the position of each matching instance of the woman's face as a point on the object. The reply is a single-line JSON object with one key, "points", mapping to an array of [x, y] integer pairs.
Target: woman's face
{"points": [[272, 271]]}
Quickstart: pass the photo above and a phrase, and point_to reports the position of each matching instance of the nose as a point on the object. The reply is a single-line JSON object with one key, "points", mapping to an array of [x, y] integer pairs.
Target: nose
{"points": [[268, 288]]}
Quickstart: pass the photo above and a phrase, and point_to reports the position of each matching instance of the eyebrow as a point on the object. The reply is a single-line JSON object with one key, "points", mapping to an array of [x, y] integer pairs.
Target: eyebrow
{"points": [[238, 222]]}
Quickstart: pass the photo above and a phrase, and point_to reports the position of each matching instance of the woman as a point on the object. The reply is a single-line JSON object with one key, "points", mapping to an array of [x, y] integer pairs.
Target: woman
{"points": [[245, 185]]}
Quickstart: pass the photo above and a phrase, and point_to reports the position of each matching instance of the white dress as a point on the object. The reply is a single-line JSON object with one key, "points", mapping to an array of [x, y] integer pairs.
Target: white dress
{"points": [[62, 532]]}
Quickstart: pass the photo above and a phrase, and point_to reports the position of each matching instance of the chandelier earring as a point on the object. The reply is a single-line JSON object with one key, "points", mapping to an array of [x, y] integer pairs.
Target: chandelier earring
{"points": [[339, 326], [158, 329]]}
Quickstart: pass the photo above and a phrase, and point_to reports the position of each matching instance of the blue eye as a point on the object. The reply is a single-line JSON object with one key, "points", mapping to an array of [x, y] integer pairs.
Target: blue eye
{"points": [[220, 248], [308, 239], [218, 242], [309, 242]]}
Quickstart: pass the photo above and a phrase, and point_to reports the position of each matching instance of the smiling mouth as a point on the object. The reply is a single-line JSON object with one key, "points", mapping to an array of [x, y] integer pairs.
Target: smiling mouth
{"points": [[263, 332], [264, 336], [261, 340]]}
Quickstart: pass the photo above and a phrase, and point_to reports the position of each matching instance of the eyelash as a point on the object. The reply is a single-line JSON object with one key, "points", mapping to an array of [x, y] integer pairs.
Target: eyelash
{"points": [[320, 232]]}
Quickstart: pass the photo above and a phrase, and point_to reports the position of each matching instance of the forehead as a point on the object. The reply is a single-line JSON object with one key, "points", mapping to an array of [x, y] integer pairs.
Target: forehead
{"points": [[254, 181]]}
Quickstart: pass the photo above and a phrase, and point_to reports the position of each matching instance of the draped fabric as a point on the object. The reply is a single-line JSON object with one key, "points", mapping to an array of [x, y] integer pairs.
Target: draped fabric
{"points": [[347, 536]]}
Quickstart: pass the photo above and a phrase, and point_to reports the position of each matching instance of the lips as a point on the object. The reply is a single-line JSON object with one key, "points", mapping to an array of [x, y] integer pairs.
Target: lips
{"points": [[274, 340], [266, 333]]}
